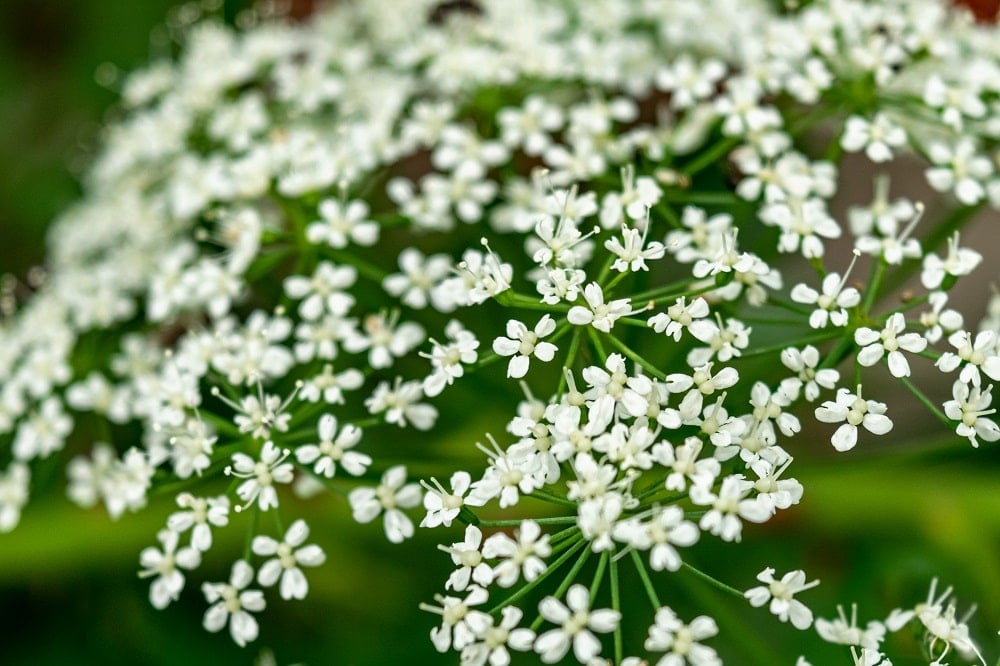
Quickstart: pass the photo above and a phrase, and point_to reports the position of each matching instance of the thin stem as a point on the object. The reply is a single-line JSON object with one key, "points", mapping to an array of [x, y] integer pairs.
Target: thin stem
{"points": [[563, 586], [935, 410], [516, 522], [640, 566], [554, 499], [616, 605], [521, 593], [646, 365], [595, 585], [820, 337], [714, 582]]}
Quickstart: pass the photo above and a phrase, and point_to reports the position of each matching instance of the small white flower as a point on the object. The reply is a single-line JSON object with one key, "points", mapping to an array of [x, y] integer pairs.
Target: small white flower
{"points": [[333, 448], [289, 555], [877, 137], [805, 362], [457, 620], [232, 602], [491, 640], [448, 359], [521, 344], [781, 595], [169, 581], [524, 557], [391, 495], [831, 304], [681, 642], [856, 411], [940, 273], [979, 356], [13, 495], [260, 476], [443, 506], [577, 624], [970, 406], [598, 314], [468, 557], [199, 514], [875, 344], [343, 222]]}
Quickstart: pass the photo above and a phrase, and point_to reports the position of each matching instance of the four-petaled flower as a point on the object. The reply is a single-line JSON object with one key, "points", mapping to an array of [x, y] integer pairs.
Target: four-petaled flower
{"points": [[287, 556], [577, 624], [521, 344], [856, 411], [781, 595]]}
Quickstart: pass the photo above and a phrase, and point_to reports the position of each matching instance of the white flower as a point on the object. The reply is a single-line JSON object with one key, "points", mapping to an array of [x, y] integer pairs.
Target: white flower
{"points": [[324, 292], [598, 314], [521, 344], [443, 506], [805, 362], [466, 555], [856, 411], [13, 495], [940, 273], [847, 632], [665, 529], [680, 316], [260, 476], [978, 354], [413, 286], [232, 602], [391, 495], [831, 304], [524, 557], [447, 359], [577, 624], [401, 405], [681, 641], [491, 640], [877, 137], [959, 168], [289, 555], [169, 581], [199, 514], [456, 618], [781, 595], [384, 340], [970, 406], [633, 251], [729, 506], [333, 448], [342, 222], [877, 343]]}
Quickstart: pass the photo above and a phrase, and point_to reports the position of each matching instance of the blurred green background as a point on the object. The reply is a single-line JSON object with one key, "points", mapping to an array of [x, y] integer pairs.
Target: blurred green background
{"points": [[874, 527]]}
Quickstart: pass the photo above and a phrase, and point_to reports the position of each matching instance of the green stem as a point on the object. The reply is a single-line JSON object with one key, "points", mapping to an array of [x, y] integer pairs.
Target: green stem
{"points": [[935, 410], [616, 605], [646, 365], [516, 522], [595, 585], [524, 591], [820, 337], [714, 582], [640, 566], [563, 586], [710, 156]]}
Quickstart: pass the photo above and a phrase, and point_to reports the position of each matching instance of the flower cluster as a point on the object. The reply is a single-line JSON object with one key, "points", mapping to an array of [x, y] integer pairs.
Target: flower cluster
{"points": [[297, 246]]}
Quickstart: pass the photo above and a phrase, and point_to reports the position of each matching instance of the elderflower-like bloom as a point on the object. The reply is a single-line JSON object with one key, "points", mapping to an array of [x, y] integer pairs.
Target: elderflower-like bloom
{"points": [[889, 342], [682, 642], [856, 411], [780, 594], [333, 448], [521, 344], [577, 622], [389, 497], [232, 602], [261, 475], [289, 555], [163, 564], [597, 313]]}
